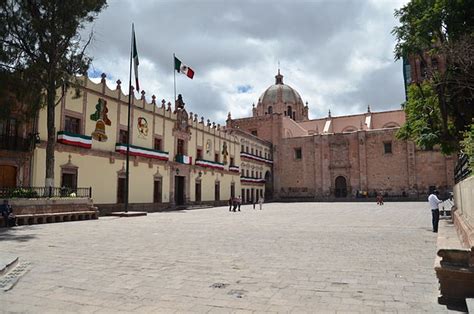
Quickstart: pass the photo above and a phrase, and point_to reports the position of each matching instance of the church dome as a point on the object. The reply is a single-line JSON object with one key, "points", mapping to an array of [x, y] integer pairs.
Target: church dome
{"points": [[282, 99], [280, 93]]}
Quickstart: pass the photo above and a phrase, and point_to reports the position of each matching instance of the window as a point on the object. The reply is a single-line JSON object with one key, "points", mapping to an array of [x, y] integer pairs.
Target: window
{"points": [[123, 137], [157, 191], [9, 128], [251, 151], [72, 125], [270, 110], [246, 149], [290, 111], [252, 174], [157, 144], [199, 153], [198, 191], [217, 191], [241, 148], [266, 155], [298, 154], [247, 173], [180, 147], [216, 157], [407, 73], [232, 161], [387, 147], [254, 132], [69, 178]]}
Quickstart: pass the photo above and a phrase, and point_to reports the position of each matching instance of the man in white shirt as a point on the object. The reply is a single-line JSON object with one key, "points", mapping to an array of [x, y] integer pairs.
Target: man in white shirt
{"points": [[434, 201]]}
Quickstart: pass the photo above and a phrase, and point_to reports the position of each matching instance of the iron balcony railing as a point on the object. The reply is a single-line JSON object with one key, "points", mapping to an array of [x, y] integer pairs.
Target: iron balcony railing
{"points": [[45, 192], [16, 143]]}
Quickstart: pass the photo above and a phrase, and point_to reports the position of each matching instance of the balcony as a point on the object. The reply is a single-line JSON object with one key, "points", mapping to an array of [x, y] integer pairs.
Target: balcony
{"points": [[255, 158], [16, 143]]}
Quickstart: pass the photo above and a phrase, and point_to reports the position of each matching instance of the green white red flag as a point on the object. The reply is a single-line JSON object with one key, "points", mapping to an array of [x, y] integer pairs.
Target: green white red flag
{"points": [[183, 68]]}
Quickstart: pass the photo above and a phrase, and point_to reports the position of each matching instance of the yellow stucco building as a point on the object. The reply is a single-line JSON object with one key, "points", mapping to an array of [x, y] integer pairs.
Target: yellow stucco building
{"points": [[176, 158]]}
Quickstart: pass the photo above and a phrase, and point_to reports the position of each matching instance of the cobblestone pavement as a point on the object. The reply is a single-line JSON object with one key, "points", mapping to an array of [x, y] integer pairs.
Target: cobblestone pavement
{"points": [[296, 257]]}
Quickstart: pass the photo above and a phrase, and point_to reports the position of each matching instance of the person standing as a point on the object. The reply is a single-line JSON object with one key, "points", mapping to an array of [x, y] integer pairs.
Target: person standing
{"points": [[434, 202], [239, 202], [230, 203], [260, 202]]}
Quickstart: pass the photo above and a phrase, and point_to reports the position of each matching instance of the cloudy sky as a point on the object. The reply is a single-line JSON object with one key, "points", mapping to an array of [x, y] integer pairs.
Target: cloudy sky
{"points": [[337, 54]]}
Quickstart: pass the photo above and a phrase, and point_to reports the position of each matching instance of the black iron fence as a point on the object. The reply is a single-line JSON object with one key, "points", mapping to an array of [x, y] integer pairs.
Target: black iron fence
{"points": [[44, 192], [462, 171]]}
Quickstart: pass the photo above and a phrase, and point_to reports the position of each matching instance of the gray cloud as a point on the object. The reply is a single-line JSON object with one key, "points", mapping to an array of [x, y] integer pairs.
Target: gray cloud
{"points": [[337, 54]]}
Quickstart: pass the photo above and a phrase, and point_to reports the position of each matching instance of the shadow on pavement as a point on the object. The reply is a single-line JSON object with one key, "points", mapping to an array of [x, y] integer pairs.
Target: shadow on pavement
{"points": [[11, 234]]}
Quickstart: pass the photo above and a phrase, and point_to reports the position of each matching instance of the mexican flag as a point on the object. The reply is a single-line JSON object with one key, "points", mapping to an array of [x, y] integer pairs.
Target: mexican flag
{"points": [[135, 58], [183, 68]]}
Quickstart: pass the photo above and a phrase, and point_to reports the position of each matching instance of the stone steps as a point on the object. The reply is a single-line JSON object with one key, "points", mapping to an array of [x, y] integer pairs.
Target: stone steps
{"points": [[7, 262]]}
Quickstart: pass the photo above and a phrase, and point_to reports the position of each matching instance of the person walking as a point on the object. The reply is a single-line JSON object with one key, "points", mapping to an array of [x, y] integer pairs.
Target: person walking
{"points": [[235, 201], [230, 203], [260, 202], [239, 202], [434, 202]]}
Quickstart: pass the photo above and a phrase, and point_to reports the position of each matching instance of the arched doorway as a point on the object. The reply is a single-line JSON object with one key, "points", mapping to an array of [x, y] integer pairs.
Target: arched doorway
{"points": [[268, 186], [341, 187], [7, 176]]}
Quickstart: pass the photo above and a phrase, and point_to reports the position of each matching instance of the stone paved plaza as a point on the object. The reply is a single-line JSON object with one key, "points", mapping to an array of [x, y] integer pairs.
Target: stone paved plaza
{"points": [[296, 257]]}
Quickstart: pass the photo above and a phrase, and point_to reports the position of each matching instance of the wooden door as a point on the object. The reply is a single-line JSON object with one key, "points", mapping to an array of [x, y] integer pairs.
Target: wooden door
{"points": [[7, 176]]}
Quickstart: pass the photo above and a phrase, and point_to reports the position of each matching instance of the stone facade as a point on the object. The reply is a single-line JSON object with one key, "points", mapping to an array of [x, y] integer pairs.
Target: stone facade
{"points": [[346, 156]]}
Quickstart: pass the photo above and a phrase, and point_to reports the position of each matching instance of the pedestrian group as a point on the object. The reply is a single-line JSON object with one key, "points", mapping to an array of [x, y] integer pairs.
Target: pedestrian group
{"points": [[235, 202]]}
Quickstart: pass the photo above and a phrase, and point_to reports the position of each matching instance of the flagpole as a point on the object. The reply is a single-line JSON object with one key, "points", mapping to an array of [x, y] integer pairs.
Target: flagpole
{"points": [[174, 75], [127, 167]]}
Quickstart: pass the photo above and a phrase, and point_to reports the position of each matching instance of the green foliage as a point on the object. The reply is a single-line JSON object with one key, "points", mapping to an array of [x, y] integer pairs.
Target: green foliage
{"points": [[441, 109], [23, 193], [43, 50], [423, 118], [467, 145]]}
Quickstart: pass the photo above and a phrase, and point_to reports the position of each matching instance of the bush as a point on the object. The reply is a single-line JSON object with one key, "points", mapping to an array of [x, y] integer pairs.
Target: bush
{"points": [[467, 145], [23, 193]]}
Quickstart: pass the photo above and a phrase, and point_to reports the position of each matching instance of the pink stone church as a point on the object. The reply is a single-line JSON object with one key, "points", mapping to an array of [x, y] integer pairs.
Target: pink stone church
{"points": [[341, 157]]}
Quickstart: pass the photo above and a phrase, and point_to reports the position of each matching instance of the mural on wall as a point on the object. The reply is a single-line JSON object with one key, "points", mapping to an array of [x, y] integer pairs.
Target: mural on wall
{"points": [[142, 126], [101, 118], [224, 153], [208, 146]]}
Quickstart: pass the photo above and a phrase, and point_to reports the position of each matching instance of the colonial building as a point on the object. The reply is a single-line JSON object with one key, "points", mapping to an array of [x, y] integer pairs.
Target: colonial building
{"points": [[340, 157], [180, 159], [177, 158]]}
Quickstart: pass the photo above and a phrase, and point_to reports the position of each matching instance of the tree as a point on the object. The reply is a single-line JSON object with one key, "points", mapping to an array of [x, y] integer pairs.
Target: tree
{"points": [[440, 28], [42, 49]]}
